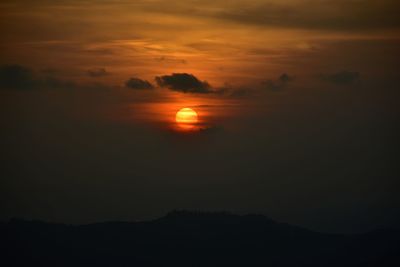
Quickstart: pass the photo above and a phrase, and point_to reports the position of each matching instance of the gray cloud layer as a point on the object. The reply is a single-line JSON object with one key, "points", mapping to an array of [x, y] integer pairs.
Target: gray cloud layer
{"points": [[341, 78], [16, 77], [278, 84], [316, 14], [99, 72], [138, 84]]}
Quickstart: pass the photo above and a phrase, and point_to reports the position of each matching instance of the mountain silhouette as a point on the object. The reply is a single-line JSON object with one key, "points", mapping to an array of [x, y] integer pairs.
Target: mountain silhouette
{"points": [[187, 238]]}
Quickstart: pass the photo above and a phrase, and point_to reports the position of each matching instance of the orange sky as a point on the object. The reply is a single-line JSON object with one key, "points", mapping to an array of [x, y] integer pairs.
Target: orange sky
{"points": [[239, 49], [241, 43]]}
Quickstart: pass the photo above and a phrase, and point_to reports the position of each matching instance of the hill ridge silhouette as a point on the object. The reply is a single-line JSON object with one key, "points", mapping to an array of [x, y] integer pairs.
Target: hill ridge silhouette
{"points": [[192, 238]]}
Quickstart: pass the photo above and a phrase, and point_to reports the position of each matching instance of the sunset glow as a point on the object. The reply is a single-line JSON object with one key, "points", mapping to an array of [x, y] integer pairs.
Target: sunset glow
{"points": [[186, 118], [123, 110]]}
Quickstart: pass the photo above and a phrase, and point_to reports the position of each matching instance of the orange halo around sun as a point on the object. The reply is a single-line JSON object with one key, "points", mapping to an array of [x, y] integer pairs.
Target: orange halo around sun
{"points": [[186, 117]]}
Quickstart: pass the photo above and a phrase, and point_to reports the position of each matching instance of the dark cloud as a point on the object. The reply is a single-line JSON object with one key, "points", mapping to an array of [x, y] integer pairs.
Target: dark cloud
{"points": [[341, 78], [241, 93], [232, 91], [284, 78], [184, 82], [138, 84], [278, 84], [221, 90], [16, 77], [21, 78], [50, 82], [164, 59], [98, 72]]}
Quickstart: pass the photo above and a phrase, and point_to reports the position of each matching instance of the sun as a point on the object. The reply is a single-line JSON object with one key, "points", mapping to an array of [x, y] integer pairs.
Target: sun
{"points": [[186, 116]]}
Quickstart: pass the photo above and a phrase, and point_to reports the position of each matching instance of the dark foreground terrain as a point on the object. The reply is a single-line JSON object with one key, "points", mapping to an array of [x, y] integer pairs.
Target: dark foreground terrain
{"points": [[192, 239]]}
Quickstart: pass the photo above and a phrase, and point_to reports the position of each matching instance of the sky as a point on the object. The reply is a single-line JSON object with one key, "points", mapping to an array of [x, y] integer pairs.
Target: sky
{"points": [[297, 103]]}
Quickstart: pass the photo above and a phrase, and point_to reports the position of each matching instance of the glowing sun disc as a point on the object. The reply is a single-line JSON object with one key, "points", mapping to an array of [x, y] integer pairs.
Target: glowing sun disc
{"points": [[186, 116]]}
